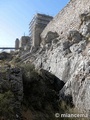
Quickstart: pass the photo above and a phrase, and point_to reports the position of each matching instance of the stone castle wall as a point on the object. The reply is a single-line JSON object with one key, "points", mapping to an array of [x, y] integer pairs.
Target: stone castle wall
{"points": [[64, 22]]}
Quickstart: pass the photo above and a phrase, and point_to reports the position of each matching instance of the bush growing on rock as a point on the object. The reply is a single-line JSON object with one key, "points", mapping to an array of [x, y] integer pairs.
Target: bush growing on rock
{"points": [[6, 110], [29, 72]]}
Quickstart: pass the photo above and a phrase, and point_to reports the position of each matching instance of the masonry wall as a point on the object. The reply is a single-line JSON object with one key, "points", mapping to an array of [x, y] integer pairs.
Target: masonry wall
{"points": [[24, 41], [37, 25], [36, 35], [68, 18], [16, 43]]}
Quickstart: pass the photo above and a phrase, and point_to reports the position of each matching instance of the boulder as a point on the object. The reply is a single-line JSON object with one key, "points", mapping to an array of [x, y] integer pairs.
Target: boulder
{"points": [[78, 48], [85, 30], [51, 79], [85, 24], [50, 36], [54, 41], [74, 36], [65, 44], [85, 16]]}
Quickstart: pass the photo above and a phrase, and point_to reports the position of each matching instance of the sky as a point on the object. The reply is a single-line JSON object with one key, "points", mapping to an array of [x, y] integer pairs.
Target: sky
{"points": [[15, 16]]}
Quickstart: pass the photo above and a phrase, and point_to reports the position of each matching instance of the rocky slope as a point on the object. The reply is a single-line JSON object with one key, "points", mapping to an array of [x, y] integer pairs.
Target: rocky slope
{"points": [[26, 93], [69, 60], [65, 52]]}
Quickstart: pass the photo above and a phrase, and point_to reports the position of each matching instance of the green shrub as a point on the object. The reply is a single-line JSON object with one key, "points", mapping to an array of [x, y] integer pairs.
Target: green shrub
{"points": [[6, 110], [29, 72], [17, 59]]}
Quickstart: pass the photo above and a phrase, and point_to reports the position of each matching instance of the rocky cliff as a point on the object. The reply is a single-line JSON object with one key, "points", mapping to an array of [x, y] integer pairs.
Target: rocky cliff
{"points": [[65, 51], [62, 69], [69, 60]]}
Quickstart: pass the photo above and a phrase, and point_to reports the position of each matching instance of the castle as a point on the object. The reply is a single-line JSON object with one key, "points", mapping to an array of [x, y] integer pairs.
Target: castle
{"points": [[36, 26]]}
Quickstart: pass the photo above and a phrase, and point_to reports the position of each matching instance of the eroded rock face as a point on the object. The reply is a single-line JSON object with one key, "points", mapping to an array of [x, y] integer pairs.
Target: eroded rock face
{"points": [[67, 56], [85, 26], [67, 59], [85, 16], [50, 36], [79, 84], [74, 36], [78, 48]]}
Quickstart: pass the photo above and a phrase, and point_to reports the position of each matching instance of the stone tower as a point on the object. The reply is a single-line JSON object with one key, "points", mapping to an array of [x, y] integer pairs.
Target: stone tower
{"points": [[36, 26], [16, 43], [24, 42]]}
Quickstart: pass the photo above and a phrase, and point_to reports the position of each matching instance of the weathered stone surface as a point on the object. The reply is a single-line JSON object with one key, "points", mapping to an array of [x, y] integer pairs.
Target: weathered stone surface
{"points": [[54, 41], [68, 58], [69, 67], [68, 18], [85, 30], [85, 26], [78, 48], [65, 44], [78, 86], [50, 36], [85, 16], [74, 36]]}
